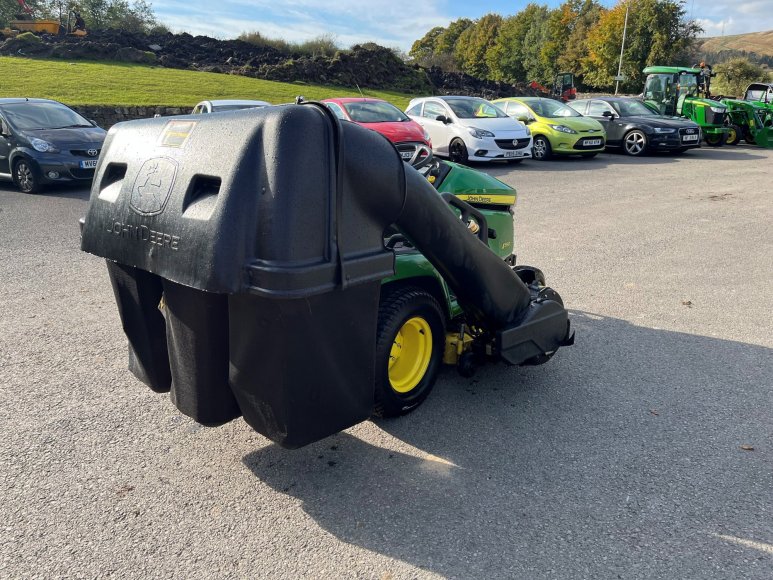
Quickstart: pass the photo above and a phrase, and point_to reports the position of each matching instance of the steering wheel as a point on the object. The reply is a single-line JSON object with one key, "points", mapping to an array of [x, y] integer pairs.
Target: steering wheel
{"points": [[421, 157]]}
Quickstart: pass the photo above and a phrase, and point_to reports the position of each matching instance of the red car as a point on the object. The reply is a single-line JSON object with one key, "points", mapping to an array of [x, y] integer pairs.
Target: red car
{"points": [[406, 134]]}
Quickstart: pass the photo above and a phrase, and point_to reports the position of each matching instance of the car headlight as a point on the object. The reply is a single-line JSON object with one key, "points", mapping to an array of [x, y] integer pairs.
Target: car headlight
{"points": [[717, 109], [528, 131], [426, 136], [479, 133], [563, 128], [43, 146], [664, 130]]}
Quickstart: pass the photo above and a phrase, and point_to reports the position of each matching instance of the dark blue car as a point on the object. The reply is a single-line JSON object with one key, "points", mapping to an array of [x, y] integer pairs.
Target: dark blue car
{"points": [[44, 142]]}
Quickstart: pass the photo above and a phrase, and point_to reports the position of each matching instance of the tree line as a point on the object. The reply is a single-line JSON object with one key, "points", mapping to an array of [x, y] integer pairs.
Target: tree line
{"points": [[579, 36], [134, 16]]}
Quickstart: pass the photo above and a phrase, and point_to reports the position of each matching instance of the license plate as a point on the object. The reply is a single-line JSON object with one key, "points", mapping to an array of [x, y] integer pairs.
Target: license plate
{"points": [[513, 153], [88, 164], [592, 142], [689, 137]]}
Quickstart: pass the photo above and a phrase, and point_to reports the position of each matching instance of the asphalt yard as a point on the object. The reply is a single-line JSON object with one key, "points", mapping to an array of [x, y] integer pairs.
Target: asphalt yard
{"points": [[644, 451]]}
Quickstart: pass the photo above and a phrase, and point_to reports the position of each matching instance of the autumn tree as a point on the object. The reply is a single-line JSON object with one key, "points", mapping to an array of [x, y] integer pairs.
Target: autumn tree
{"points": [[446, 42], [437, 47], [424, 48], [505, 58], [473, 44], [735, 75], [657, 34], [575, 44]]}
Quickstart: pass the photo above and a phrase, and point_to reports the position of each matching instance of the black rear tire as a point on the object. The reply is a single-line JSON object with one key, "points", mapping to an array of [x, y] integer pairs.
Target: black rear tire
{"points": [[403, 311]]}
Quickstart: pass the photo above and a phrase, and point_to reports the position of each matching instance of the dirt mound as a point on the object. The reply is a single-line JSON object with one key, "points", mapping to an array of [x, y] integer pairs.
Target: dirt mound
{"points": [[447, 83], [367, 65]]}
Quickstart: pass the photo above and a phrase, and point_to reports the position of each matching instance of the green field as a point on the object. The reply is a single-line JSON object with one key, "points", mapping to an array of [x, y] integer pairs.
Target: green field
{"points": [[107, 83]]}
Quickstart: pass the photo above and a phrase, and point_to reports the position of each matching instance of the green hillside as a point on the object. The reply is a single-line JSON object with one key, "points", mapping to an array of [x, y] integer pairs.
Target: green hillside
{"points": [[758, 42], [92, 83]]}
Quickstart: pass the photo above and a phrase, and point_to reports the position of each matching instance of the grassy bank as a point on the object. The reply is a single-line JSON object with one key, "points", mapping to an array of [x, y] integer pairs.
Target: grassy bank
{"points": [[106, 83]]}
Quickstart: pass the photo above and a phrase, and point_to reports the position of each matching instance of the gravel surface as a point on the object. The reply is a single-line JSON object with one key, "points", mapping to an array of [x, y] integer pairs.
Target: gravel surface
{"points": [[622, 458]]}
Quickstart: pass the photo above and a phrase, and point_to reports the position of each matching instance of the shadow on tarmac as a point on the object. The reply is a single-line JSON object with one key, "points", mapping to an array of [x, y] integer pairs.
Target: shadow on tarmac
{"points": [[69, 191], [622, 455], [617, 157]]}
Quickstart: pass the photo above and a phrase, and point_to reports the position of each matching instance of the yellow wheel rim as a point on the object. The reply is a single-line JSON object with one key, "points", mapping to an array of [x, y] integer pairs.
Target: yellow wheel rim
{"points": [[410, 355]]}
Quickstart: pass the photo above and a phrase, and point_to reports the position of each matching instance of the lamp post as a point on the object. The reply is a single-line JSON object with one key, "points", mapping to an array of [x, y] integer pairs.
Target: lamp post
{"points": [[622, 47]]}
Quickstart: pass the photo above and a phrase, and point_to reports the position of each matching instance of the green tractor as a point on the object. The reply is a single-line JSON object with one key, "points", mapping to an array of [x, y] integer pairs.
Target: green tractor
{"points": [[761, 94], [675, 91], [750, 121]]}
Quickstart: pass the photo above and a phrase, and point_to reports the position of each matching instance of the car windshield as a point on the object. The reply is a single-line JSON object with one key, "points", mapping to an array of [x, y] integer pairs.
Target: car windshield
{"points": [[552, 109], [31, 116], [473, 108], [374, 112], [632, 109]]}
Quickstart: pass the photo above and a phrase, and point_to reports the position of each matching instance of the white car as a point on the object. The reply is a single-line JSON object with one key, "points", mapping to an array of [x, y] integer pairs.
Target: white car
{"points": [[471, 129], [205, 107]]}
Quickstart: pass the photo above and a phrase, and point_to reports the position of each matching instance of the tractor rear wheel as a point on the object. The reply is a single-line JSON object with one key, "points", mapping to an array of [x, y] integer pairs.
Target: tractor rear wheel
{"points": [[409, 350], [734, 137]]}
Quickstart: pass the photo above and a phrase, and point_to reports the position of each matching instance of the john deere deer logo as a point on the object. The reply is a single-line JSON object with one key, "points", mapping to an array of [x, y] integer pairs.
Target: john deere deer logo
{"points": [[153, 185]]}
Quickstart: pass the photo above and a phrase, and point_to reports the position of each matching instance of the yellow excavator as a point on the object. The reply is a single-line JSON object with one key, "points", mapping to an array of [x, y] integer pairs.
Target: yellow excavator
{"points": [[26, 22]]}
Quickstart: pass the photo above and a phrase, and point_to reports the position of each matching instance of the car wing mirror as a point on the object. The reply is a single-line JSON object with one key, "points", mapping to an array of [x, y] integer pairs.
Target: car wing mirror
{"points": [[443, 119], [608, 114], [524, 119]]}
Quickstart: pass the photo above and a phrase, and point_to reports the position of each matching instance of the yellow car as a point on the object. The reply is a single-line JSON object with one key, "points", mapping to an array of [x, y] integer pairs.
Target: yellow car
{"points": [[556, 128]]}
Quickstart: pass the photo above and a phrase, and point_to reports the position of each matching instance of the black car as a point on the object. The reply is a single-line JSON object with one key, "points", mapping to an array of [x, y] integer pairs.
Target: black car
{"points": [[43, 142], [636, 128]]}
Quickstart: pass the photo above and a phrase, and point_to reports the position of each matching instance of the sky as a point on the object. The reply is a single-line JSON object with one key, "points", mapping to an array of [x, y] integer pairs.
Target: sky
{"points": [[397, 23]]}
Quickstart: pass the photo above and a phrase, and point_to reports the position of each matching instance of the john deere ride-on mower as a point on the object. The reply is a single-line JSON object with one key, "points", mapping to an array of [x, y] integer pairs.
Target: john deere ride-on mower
{"points": [[675, 91], [303, 276]]}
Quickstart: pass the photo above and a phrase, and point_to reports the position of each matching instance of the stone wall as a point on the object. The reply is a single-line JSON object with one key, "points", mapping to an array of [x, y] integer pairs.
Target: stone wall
{"points": [[107, 116]]}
